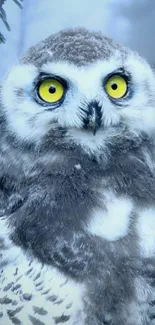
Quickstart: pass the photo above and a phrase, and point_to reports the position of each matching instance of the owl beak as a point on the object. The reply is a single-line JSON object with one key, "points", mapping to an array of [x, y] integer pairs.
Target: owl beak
{"points": [[94, 117], [93, 122]]}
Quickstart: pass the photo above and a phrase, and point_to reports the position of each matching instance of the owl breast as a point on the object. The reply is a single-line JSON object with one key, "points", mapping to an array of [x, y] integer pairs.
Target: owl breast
{"points": [[33, 294]]}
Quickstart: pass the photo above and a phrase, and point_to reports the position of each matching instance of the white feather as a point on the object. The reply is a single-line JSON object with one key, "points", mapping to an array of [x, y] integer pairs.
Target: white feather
{"points": [[113, 223]]}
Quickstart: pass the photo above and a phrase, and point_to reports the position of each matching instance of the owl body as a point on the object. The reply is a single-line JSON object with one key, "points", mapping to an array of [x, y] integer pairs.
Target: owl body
{"points": [[101, 265], [77, 179]]}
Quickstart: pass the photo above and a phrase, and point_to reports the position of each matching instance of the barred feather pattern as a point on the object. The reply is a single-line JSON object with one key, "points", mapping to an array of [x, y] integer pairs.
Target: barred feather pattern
{"points": [[34, 294]]}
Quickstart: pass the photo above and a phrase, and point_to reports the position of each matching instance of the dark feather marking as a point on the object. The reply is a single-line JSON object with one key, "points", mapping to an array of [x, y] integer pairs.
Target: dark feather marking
{"points": [[69, 306], [66, 281], [37, 276], [14, 303], [46, 292], [29, 271], [27, 296], [58, 302], [36, 321], [12, 313], [16, 271], [16, 287], [16, 321], [8, 286], [61, 319], [52, 298], [40, 310], [38, 284], [19, 277], [5, 300]]}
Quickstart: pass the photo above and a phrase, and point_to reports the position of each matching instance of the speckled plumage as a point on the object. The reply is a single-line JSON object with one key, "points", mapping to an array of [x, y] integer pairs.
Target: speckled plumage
{"points": [[80, 47], [81, 205], [32, 293]]}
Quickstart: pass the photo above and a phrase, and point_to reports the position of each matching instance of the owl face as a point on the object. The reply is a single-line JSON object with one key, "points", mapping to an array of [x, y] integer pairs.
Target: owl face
{"points": [[81, 87]]}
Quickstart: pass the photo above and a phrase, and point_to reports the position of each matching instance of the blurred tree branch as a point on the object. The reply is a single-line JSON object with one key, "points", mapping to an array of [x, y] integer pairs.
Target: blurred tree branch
{"points": [[3, 16]]}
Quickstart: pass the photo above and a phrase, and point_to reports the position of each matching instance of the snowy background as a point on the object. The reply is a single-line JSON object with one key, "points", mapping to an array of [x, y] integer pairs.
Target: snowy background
{"points": [[131, 22]]}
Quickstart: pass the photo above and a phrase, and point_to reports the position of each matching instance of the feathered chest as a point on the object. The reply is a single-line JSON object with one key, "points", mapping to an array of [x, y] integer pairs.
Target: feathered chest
{"points": [[31, 293]]}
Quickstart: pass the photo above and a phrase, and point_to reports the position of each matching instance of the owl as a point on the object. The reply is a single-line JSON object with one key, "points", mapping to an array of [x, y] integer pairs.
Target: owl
{"points": [[77, 184]]}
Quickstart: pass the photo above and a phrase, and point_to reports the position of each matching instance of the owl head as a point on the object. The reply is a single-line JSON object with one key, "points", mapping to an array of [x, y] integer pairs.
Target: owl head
{"points": [[82, 89]]}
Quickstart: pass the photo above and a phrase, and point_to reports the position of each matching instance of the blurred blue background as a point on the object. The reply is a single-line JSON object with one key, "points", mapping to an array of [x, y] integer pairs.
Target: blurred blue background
{"points": [[131, 22]]}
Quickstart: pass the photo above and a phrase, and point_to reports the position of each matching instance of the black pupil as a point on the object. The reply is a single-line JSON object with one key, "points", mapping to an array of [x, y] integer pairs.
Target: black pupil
{"points": [[114, 86], [52, 89]]}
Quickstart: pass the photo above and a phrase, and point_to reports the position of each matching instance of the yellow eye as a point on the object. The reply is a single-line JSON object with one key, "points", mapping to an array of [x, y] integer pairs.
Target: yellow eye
{"points": [[51, 90], [116, 86]]}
